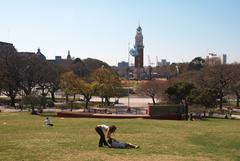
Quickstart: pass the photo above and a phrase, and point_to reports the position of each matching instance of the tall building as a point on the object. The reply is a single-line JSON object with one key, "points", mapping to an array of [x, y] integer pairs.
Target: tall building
{"points": [[213, 59], [224, 59], [139, 70], [122, 64], [139, 47]]}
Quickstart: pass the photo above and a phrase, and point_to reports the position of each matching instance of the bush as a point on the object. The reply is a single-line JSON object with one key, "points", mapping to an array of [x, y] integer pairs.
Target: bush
{"points": [[49, 103]]}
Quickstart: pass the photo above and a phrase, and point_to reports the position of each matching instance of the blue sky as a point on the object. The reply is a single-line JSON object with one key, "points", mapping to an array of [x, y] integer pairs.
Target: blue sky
{"points": [[176, 30]]}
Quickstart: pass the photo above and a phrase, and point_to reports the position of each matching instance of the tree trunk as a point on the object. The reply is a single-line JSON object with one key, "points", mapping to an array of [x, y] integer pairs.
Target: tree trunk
{"points": [[153, 99], [72, 101], [53, 96], [102, 102], [86, 104], [220, 102], [186, 111], [71, 106], [238, 98], [66, 98], [27, 91], [12, 100], [107, 101]]}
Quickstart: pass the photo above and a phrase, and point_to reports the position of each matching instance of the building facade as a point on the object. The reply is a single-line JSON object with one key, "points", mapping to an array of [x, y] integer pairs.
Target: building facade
{"points": [[139, 47]]}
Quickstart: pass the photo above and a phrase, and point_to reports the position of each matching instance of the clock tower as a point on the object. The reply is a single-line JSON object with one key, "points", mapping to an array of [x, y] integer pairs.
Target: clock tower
{"points": [[139, 48]]}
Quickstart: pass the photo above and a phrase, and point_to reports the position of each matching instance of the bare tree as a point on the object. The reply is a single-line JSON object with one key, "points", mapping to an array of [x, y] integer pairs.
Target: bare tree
{"points": [[9, 73], [152, 89], [235, 84], [217, 78]]}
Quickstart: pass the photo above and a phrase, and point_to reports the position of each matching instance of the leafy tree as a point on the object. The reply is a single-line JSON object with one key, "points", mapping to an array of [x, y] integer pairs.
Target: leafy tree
{"points": [[94, 64], [196, 64], [32, 100], [205, 97], [87, 90], [79, 68], [107, 82], [181, 93], [69, 84]]}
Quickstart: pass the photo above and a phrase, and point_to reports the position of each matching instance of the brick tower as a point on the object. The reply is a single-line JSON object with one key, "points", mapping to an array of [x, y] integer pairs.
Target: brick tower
{"points": [[139, 47], [138, 72]]}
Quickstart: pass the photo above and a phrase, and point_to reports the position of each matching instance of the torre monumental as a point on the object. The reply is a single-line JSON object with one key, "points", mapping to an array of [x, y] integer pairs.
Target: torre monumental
{"points": [[139, 58], [139, 47]]}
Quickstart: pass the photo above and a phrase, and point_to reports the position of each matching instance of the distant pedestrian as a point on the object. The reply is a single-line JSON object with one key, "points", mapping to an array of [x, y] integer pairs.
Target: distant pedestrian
{"points": [[47, 122], [101, 129]]}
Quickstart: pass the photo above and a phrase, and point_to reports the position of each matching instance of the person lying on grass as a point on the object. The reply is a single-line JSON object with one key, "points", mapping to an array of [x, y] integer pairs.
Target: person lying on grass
{"points": [[118, 144]]}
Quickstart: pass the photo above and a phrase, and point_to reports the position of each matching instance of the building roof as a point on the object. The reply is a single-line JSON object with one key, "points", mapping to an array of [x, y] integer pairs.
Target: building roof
{"points": [[40, 54]]}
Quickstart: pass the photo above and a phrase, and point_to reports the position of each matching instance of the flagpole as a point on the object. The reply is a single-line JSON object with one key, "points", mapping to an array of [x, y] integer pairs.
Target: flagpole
{"points": [[128, 76]]}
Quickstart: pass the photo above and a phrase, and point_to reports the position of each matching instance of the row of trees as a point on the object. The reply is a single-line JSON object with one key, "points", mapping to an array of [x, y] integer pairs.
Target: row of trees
{"points": [[102, 82], [26, 74], [198, 83]]}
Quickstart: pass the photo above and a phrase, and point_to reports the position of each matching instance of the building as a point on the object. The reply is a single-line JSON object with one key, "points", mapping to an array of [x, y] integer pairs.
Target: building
{"points": [[122, 64], [40, 55], [139, 47], [163, 62], [213, 59], [224, 59], [60, 60], [4, 47], [139, 70]]}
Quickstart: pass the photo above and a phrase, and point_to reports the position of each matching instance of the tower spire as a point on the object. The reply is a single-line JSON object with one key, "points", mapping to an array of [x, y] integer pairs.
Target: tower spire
{"points": [[69, 56]]}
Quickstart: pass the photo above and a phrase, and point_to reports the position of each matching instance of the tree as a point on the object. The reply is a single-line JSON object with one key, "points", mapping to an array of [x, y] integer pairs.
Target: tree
{"points": [[72, 85], [46, 76], [9, 73], [181, 93], [205, 97], [217, 78], [57, 70], [94, 64], [79, 68], [196, 64], [235, 84], [31, 65], [107, 82], [33, 100], [87, 90], [152, 89], [69, 84]]}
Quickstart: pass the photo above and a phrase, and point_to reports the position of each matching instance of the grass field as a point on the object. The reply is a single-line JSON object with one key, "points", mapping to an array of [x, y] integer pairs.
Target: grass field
{"points": [[23, 137]]}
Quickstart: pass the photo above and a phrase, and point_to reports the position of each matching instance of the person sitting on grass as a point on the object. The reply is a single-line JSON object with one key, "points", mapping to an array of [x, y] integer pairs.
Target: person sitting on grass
{"points": [[47, 122], [117, 144]]}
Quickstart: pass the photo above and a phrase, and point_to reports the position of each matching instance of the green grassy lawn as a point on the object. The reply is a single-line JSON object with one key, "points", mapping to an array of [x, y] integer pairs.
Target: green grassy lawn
{"points": [[23, 137]]}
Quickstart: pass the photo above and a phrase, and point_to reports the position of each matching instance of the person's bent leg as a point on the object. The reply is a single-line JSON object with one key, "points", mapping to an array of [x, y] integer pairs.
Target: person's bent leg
{"points": [[102, 137]]}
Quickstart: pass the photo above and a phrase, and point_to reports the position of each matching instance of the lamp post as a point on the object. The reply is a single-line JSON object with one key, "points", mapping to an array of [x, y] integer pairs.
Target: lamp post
{"points": [[128, 76]]}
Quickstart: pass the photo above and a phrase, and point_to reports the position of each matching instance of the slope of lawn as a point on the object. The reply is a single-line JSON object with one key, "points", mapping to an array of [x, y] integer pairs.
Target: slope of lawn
{"points": [[23, 137]]}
